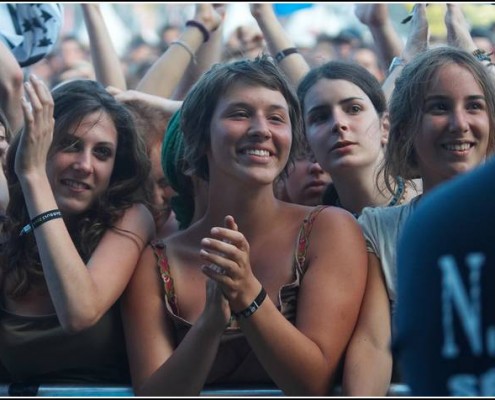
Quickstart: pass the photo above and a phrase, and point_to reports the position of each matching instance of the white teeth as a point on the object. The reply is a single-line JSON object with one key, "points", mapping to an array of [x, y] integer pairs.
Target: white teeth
{"points": [[260, 153], [75, 185], [457, 146]]}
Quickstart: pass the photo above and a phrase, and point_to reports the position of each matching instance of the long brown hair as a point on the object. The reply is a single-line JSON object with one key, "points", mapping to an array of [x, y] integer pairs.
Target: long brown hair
{"points": [[406, 110], [19, 259]]}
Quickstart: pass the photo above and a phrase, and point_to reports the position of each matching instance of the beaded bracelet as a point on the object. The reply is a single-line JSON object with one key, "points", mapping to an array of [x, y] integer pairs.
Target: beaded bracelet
{"points": [[482, 55], [186, 47], [39, 220], [284, 53], [201, 27], [250, 310]]}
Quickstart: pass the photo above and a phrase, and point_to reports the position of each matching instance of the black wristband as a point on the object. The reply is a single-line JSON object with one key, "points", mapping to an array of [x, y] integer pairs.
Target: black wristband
{"points": [[39, 220], [250, 310], [284, 53], [201, 27]]}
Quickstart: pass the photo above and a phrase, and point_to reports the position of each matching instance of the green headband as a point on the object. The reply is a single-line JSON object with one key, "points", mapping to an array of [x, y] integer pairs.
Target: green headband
{"points": [[173, 149]]}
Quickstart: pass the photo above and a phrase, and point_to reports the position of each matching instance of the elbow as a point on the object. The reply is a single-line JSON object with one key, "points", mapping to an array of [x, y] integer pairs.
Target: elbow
{"points": [[323, 390], [74, 324], [17, 81], [322, 386], [13, 88], [11, 92]]}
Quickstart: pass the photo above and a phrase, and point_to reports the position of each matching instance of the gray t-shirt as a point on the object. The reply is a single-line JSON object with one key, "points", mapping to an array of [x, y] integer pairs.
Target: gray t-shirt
{"points": [[381, 227]]}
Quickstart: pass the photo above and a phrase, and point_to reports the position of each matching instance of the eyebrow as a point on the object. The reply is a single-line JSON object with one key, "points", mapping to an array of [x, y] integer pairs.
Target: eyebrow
{"points": [[107, 143], [343, 101], [250, 105], [79, 138], [348, 99], [443, 97]]}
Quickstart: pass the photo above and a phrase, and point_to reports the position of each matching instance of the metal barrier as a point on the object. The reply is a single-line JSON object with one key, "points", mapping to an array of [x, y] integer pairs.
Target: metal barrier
{"points": [[76, 390]]}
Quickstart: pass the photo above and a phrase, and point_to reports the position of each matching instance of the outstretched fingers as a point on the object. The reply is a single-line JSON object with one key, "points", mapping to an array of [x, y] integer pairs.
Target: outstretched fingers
{"points": [[37, 135], [418, 38], [39, 109], [458, 30]]}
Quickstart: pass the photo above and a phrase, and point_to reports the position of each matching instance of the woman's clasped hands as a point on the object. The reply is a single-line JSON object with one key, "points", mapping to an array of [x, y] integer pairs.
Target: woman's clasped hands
{"points": [[228, 265]]}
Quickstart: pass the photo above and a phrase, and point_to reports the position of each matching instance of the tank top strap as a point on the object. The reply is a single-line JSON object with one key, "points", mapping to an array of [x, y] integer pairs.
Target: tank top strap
{"points": [[159, 249], [303, 238]]}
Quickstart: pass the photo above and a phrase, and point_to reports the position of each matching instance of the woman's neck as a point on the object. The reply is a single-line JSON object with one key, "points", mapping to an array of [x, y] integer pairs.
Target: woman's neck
{"points": [[248, 206], [361, 190]]}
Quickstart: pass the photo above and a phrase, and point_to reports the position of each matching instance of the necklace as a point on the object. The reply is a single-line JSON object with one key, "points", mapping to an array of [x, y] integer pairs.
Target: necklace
{"points": [[399, 194]]}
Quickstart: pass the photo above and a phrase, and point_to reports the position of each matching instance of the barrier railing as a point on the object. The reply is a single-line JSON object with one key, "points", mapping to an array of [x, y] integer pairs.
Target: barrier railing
{"points": [[75, 390]]}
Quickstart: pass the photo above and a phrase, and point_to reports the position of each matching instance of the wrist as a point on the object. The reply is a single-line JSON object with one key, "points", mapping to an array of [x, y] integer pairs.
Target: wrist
{"points": [[265, 18], [380, 25], [396, 62], [210, 324], [282, 54], [32, 179], [250, 309], [207, 25], [39, 220]]}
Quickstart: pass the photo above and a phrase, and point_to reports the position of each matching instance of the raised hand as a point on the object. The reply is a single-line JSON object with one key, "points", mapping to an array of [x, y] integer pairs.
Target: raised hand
{"points": [[37, 135], [372, 14], [211, 16], [258, 10], [458, 29], [164, 107], [417, 40]]}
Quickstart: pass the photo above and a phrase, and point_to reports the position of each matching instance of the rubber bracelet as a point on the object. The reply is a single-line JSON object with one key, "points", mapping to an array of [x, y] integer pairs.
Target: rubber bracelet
{"points": [[39, 220], [201, 27], [284, 53], [186, 47], [396, 61], [251, 309]]}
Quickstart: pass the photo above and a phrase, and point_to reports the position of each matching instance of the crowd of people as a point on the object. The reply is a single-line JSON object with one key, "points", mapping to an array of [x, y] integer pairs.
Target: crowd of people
{"points": [[312, 219]]}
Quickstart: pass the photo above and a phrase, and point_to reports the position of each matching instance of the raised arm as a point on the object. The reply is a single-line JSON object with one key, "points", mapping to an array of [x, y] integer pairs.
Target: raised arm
{"points": [[11, 88], [106, 62], [387, 41], [294, 65], [165, 74], [157, 110], [417, 42], [458, 29], [80, 292], [208, 54], [459, 35]]}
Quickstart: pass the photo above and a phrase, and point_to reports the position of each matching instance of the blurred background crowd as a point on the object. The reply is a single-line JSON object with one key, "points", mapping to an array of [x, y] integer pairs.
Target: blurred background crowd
{"points": [[141, 32]]}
